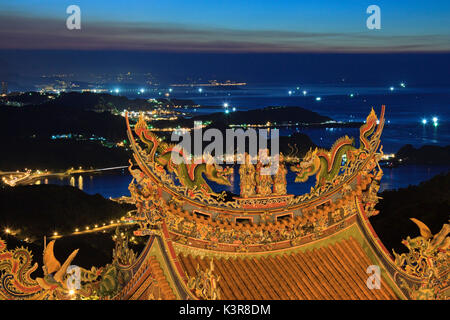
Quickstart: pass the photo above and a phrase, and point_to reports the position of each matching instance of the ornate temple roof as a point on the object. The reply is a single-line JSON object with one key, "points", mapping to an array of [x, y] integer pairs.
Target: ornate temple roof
{"points": [[262, 244], [334, 271]]}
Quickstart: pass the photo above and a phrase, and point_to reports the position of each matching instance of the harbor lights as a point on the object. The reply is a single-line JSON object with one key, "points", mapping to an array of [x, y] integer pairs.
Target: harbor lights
{"points": [[435, 121]]}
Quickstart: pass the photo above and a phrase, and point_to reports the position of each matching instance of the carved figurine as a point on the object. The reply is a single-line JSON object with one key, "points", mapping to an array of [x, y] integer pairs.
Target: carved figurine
{"points": [[264, 180], [247, 176], [280, 183]]}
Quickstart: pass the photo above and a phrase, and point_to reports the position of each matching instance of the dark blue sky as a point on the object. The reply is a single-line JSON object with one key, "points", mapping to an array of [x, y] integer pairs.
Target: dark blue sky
{"points": [[245, 40], [227, 26]]}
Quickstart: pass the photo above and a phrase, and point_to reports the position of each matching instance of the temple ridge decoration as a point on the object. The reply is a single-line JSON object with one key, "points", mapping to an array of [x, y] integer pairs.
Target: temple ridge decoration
{"points": [[204, 283], [428, 259], [261, 244]]}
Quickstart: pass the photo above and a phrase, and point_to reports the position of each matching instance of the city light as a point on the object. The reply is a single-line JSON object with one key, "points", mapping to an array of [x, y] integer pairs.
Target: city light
{"points": [[290, 92], [318, 98], [402, 84], [435, 119], [225, 105], [424, 121], [55, 233], [200, 90], [71, 292], [234, 109], [142, 90], [305, 92], [7, 230], [351, 95], [227, 111], [391, 88], [116, 90]]}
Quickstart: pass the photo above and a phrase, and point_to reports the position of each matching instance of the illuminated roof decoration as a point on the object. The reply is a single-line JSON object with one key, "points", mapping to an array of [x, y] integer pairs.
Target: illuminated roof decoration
{"points": [[260, 245]]}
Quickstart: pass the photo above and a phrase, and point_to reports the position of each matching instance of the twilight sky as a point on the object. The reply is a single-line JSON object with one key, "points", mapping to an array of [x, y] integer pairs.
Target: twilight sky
{"points": [[245, 40], [231, 26]]}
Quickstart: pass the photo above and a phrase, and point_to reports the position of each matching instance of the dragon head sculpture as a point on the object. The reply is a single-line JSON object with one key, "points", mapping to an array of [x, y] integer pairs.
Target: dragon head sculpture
{"points": [[218, 174], [309, 166]]}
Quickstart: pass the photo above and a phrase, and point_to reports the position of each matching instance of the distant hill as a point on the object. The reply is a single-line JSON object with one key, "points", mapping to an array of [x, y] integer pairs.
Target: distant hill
{"points": [[59, 155], [40, 210], [92, 101], [45, 121], [429, 202], [429, 155], [274, 115]]}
